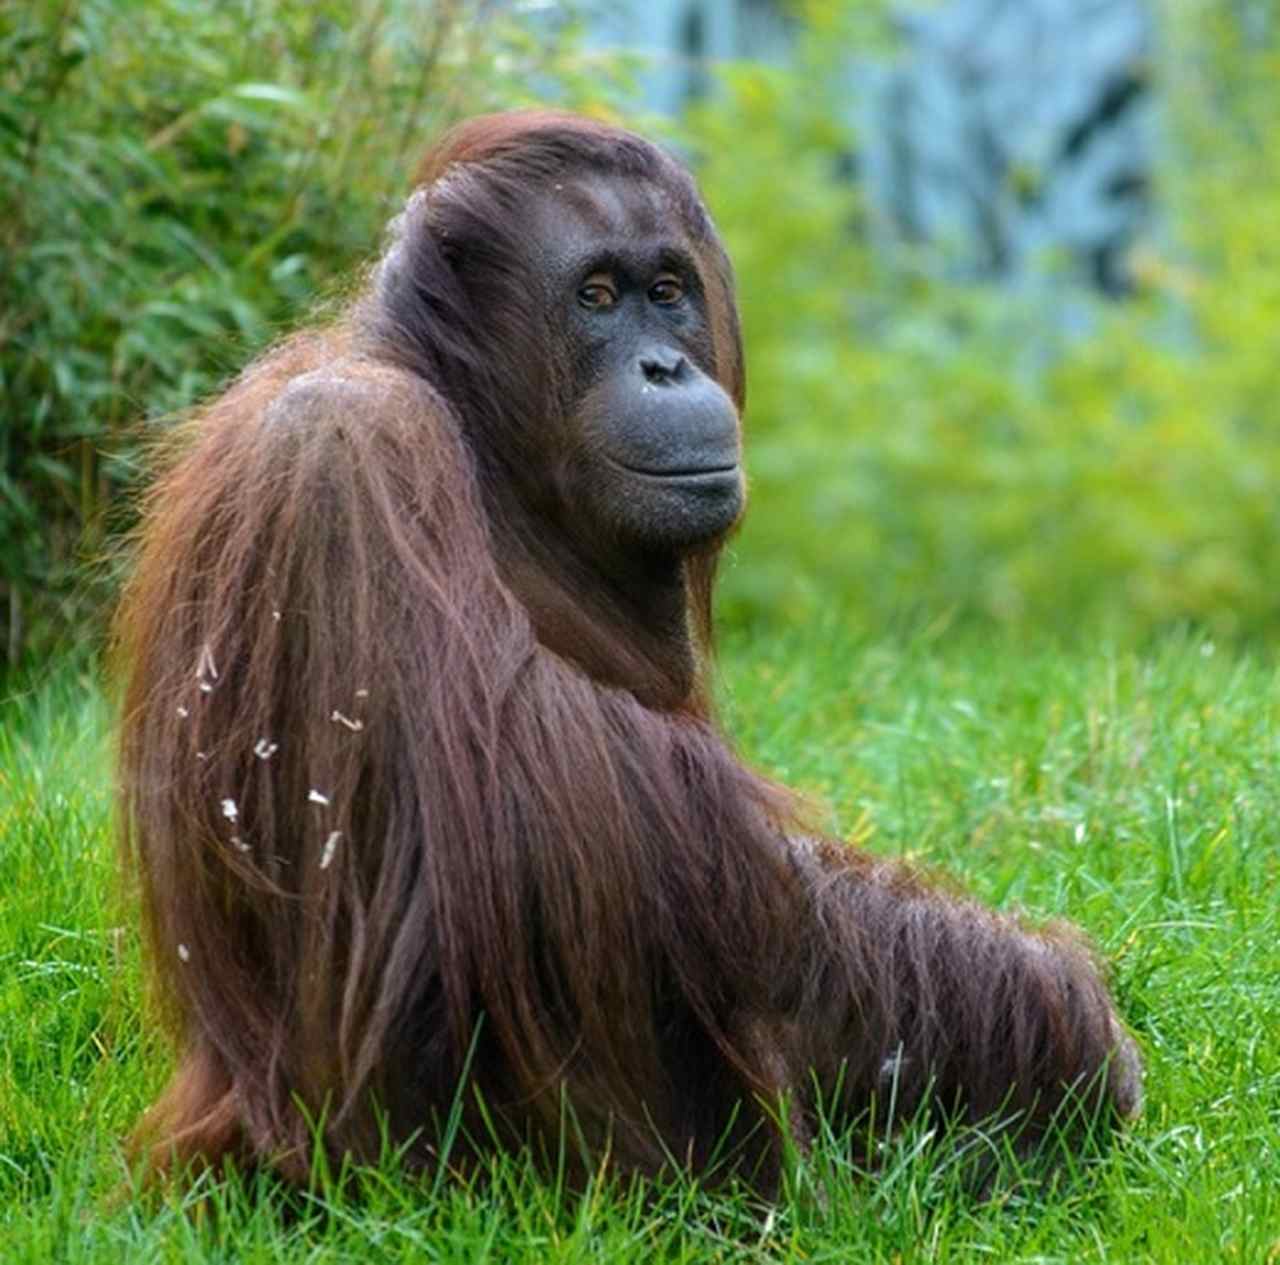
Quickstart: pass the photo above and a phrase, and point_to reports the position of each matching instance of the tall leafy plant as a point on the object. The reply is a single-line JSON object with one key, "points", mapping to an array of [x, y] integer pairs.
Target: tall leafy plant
{"points": [[178, 180]]}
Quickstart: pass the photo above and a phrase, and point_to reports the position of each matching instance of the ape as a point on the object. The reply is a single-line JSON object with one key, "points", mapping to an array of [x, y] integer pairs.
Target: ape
{"points": [[419, 780]]}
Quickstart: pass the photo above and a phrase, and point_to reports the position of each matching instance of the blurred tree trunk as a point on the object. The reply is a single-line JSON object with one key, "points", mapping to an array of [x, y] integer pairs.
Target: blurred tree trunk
{"points": [[1014, 134]]}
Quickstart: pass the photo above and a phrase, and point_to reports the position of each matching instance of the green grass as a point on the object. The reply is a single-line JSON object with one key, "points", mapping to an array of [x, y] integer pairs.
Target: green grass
{"points": [[1134, 793]]}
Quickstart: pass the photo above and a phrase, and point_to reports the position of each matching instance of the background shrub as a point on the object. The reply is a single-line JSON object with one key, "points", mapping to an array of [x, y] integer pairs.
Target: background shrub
{"points": [[1035, 458], [178, 180]]}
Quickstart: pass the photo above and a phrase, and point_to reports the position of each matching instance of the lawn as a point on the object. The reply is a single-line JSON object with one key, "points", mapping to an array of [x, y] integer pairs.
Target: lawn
{"points": [[1135, 793]]}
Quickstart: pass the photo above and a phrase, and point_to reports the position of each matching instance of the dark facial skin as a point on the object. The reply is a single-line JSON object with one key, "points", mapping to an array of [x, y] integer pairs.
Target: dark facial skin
{"points": [[650, 451]]}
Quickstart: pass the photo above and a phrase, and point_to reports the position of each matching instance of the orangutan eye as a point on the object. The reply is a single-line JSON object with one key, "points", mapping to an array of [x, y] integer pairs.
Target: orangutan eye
{"points": [[597, 296], [666, 291]]}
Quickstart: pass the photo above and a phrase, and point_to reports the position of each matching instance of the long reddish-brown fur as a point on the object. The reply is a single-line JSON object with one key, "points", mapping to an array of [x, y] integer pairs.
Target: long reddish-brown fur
{"points": [[423, 814]]}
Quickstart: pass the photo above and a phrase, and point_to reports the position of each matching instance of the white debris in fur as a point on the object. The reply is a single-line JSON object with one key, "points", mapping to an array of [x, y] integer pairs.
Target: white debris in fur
{"points": [[276, 616], [362, 693], [893, 1068], [206, 687], [354, 725], [229, 809], [206, 669], [316, 797], [264, 748], [330, 847], [182, 712], [201, 755], [184, 953], [239, 844]]}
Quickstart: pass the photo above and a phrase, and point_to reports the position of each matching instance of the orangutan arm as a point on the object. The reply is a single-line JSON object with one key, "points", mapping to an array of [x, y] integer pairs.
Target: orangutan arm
{"points": [[934, 996]]}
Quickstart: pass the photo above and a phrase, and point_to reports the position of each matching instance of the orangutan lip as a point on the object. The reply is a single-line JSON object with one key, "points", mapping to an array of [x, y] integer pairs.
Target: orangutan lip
{"points": [[687, 473]]}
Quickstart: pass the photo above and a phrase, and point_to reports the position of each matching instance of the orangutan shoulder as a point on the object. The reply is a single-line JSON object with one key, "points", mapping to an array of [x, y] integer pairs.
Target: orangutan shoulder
{"points": [[348, 391]]}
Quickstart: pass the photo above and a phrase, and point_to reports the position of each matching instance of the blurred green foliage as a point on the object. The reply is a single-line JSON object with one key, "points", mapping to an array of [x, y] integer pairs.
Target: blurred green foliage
{"points": [[178, 180], [923, 451]]}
